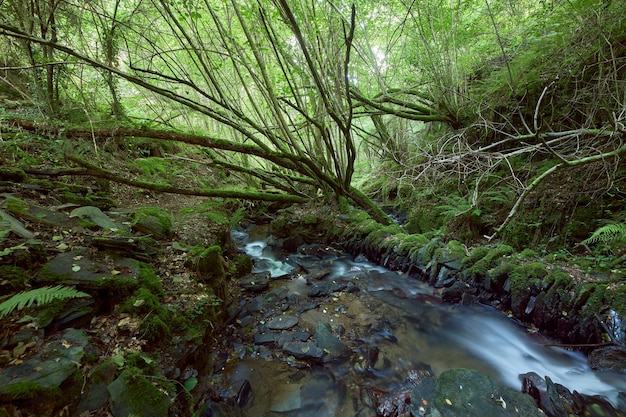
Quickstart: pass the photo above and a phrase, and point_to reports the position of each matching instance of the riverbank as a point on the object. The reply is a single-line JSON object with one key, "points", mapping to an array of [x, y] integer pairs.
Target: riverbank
{"points": [[165, 283]]}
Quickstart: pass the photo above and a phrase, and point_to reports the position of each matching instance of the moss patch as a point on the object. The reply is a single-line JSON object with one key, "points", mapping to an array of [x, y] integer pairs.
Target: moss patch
{"points": [[481, 260], [14, 277], [134, 394]]}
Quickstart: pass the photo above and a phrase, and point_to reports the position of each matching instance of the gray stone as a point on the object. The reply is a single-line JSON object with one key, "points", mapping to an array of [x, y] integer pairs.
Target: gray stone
{"points": [[287, 398], [284, 337], [264, 338], [468, 393], [445, 277], [303, 350], [78, 268], [55, 364], [608, 357], [283, 322], [256, 304], [97, 217], [329, 343], [256, 282]]}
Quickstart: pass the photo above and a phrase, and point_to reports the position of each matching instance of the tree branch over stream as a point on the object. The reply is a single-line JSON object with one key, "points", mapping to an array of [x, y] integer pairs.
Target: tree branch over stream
{"points": [[94, 171]]}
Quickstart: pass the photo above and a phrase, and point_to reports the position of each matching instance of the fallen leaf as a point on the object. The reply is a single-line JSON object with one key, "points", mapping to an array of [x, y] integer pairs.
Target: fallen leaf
{"points": [[75, 268], [502, 402]]}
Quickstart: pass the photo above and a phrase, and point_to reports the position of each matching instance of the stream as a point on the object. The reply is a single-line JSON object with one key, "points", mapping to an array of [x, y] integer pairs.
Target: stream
{"points": [[390, 322]]}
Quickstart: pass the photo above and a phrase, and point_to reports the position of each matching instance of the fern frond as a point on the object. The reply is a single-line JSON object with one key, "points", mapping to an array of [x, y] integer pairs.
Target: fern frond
{"points": [[41, 296], [609, 233]]}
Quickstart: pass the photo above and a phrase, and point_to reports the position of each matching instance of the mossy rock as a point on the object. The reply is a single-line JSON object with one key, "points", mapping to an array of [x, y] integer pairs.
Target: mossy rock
{"points": [[425, 255], [12, 174], [49, 380], [152, 221], [149, 279], [410, 242], [526, 281], [16, 206], [468, 393], [210, 264], [14, 278], [102, 202], [77, 268], [134, 394], [452, 255], [481, 260], [242, 265]]}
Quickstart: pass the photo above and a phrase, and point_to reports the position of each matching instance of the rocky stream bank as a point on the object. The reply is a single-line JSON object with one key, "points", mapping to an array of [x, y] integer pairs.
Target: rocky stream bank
{"points": [[173, 314]]}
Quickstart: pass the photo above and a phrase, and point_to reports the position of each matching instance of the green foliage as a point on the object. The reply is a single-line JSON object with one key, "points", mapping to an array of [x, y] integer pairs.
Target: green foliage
{"points": [[237, 217], [609, 234], [40, 296]]}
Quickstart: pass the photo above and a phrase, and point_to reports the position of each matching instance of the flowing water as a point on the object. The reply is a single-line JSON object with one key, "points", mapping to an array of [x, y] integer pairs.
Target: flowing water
{"points": [[410, 327]]}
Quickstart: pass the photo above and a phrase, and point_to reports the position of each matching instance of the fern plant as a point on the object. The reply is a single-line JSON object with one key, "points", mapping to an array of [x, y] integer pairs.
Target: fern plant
{"points": [[41, 296], [609, 234]]}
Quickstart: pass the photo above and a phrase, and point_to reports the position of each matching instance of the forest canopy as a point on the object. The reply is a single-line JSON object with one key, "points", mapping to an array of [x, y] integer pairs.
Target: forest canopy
{"points": [[460, 113]]}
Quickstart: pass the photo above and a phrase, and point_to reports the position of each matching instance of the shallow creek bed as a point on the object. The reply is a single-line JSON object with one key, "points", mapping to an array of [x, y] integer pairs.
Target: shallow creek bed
{"points": [[320, 333]]}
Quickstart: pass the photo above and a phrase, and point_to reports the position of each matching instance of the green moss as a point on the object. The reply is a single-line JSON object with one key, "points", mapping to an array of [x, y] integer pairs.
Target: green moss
{"points": [[591, 297], [103, 203], [154, 329], [309, 219], [412, 241], [163, 217], [528, 253], [526, 276], [16, 206], [12, 174], [378, 237], [149, 279], [344, 205], [618, 300], [483, 262], [14, 277], [30, 389], [142, 361], [143, 302], [146, 305], [146, 394], [559, 284], [242, 265]]}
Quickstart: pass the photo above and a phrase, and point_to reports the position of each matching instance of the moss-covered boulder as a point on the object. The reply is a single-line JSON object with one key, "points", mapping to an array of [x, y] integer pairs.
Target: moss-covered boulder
{"points": [[153, 221], [211, 268], [87, 274], [50, 380], [468, 393], [132, 393]]}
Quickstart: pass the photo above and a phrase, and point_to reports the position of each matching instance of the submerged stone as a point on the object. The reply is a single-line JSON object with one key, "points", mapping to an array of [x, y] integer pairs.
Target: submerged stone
{"points": [[283, 322], [329, 343], [468, 393], [303, 350]]}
